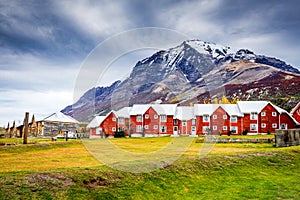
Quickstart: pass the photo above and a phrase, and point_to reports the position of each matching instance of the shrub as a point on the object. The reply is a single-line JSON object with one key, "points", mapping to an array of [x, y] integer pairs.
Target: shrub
{"points": [[245, 132], [119, 134]]}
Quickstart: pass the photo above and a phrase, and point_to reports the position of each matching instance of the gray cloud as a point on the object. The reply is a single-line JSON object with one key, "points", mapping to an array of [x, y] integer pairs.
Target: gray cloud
{"points": [[47, 41]]}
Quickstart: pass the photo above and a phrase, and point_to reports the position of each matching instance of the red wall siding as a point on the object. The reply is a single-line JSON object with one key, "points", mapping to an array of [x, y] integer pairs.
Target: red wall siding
{"points": [[268, 119], [200, 124], [108, 124], [219, 122], [286, 119], [296, 115], [151, 122]]}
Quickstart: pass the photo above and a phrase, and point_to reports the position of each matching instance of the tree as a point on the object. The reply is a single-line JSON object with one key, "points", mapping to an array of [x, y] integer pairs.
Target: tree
{"points": [[224, 100]]}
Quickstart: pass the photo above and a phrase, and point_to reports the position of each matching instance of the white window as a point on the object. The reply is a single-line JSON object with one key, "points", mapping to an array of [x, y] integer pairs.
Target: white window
{"points": [[224, 116], [193, 128], [233, 119], [233, 129], [274, 114], [253, 127], [146, 116], [206, 129], [163, 129], [113, 128], [253, 116], [163, 118], [183, 123], [263, 114], [155, 116], [139, 118], [146, 126], [224, 128], [274, 125], [215, 117], [215, 128], [139, 129], [263, 125], [175, 121], [205, 118], [114, 119], [121, 120], [193, 122], [155, 127], [283, 126]]}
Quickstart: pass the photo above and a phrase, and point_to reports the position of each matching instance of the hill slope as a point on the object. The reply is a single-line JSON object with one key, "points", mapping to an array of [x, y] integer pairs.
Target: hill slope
{"points": [[191, 72]]}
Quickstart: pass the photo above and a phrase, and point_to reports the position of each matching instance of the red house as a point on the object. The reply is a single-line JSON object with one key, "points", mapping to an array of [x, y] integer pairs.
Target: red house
{"points": [[202, 112], [152, 119], [94, 126], [184, 121], [296, 112], [123, 116], [251, 111]]}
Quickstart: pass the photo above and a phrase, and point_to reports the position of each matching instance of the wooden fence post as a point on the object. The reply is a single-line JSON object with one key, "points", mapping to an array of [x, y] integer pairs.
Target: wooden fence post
{"points": [[25, 128]]}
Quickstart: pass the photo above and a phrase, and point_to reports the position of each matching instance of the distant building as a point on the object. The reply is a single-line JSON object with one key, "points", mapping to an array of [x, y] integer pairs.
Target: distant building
{"points": [[148, 120], [43, 125]]}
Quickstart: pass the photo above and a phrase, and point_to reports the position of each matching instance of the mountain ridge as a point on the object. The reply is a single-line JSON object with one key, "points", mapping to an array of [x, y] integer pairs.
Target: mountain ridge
{"points": [[185, 73]]}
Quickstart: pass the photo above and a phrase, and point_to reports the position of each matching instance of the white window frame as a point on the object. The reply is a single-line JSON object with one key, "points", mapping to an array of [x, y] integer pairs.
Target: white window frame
{"points": [[215, 117], [205, 129], [224, 116], [215, 128], [139, 118], [253, 125], [274, 114], [206, 118], [263, 114], [163, 118], [253, 116], [155, 116], [234, 129], [175, 121], [121, 120], [114, 119], [113, 128], [193, 122], [139, 128], [274, 125], [193, 128], [146, 126], [146, 116], [155, 127], [161, 129], [233, 119], [263, 125], [184, 123], [224, 128]]}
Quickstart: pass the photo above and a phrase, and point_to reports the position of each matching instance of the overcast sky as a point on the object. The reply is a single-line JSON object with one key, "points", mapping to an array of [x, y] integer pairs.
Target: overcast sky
{"points": [[44, 43]]}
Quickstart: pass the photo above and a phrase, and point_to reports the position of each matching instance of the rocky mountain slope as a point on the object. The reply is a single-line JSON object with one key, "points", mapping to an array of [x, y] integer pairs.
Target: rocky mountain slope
{"points": [[192, 72]]}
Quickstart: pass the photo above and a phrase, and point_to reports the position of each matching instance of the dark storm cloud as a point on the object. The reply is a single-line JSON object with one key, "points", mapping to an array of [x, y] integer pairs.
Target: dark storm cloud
{"points": [[34, 26]]}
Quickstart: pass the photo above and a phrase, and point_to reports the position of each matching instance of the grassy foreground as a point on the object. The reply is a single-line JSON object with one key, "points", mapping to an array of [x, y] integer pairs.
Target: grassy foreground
{"points": [[231, 171]]}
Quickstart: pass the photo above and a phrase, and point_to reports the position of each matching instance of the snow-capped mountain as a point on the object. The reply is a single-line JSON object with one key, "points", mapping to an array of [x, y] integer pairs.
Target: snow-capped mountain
{"points": [[191, 72]]}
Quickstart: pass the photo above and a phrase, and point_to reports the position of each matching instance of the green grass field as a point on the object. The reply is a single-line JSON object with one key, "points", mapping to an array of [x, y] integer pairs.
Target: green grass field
{"points": [[67, 170]]}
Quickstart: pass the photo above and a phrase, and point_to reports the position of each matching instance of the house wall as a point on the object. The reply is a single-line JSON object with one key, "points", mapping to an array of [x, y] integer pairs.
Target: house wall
{"points": [[219, 122], [109, 125], [133, 124], [51, 129], [268, 120], [151, 125], [169, 125], [200, 124], [296, 114], [284, 118]]}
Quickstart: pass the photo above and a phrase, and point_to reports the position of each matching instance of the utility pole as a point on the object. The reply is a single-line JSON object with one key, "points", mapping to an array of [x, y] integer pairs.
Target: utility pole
{"points": [[25, 128]]}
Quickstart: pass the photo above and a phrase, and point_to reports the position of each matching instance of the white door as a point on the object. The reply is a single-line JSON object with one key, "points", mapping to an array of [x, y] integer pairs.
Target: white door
{"points": [[175, 130], [193, 130]]}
